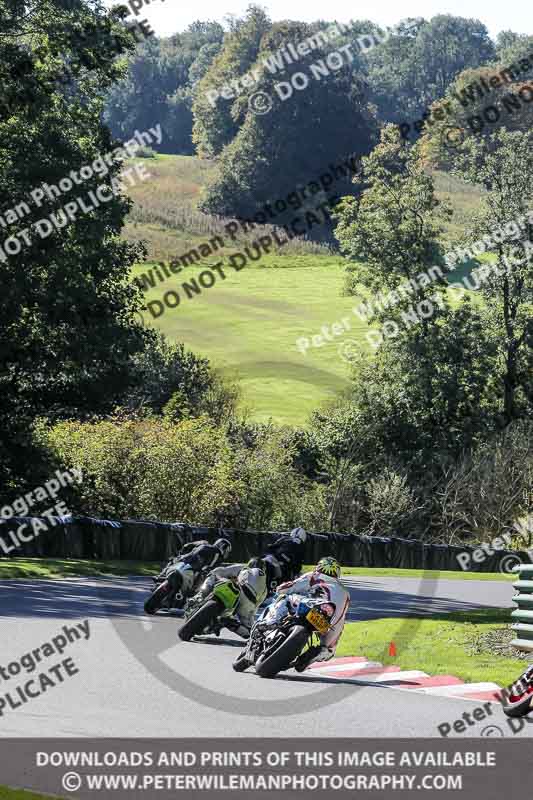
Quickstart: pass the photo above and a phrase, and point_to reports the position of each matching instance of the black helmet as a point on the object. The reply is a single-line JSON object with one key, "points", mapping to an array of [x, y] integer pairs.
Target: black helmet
{"points": [[224, 546]]}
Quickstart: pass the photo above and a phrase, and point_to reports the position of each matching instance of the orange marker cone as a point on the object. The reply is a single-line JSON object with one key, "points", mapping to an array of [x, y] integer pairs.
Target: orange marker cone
{"points": [[392, 649]]}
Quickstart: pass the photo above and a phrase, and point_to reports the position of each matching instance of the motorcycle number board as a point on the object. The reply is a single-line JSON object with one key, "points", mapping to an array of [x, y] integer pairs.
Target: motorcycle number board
{"points": [[318, 621]]}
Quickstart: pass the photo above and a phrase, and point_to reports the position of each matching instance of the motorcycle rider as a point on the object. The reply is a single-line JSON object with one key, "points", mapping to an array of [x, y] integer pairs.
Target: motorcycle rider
{"points": [[323, 581], [194, 558], [181, 549], [284, 558], [522, 687], [252, 580]]}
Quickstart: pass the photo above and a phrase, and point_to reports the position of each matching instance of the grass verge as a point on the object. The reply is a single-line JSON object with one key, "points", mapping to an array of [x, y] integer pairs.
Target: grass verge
{"points": [[436, 646], [66, 568], [20, 794], [387, 572]]}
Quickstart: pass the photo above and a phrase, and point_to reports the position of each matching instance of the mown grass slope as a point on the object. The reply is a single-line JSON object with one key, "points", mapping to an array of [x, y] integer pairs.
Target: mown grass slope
{"points": [[249, 323]]}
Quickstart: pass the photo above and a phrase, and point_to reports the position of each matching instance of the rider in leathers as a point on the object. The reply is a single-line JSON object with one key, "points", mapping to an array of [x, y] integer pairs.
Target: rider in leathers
{"points": [[324, 582], [284, 558], [251, 577], [196, 557]]}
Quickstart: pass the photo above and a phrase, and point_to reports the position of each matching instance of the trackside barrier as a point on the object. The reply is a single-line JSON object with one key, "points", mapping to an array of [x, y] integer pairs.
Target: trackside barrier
{"points": [[148, 540], [523, 616]]}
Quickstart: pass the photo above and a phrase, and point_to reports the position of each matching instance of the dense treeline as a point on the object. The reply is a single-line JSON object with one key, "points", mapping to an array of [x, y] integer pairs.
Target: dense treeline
{"points": [[202, 84], [411, 66]]}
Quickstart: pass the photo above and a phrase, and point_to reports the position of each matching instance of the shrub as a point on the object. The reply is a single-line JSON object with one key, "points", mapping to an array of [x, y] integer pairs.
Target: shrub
{"points": [[489, 490], [186, 472]]}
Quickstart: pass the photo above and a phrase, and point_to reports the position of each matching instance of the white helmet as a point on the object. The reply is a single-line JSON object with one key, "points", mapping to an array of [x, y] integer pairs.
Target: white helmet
{"points": [[299, 535]]}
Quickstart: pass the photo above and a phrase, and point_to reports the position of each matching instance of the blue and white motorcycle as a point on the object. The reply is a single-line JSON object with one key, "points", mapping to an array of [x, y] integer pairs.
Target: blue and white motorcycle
{"points": [[284, 633]]}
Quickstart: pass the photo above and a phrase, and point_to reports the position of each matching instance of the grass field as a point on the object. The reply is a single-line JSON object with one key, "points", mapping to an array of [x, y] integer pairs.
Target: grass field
{"points": [[248, 323], [437, 646], [69, 568], [451, 575]]}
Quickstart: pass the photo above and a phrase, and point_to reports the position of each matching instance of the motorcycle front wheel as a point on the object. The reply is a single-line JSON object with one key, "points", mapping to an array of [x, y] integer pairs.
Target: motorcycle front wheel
{"points": [[268, 666], [517, 707], [156, 599], [202, 619], [241, 663]]}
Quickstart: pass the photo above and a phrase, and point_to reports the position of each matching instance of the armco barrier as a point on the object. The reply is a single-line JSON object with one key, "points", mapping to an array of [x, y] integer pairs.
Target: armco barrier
{"points": [[523, 615], [147, 540]]}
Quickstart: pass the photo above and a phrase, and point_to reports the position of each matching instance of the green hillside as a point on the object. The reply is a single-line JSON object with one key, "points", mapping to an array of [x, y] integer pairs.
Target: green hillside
{"points": [[249, 323]]}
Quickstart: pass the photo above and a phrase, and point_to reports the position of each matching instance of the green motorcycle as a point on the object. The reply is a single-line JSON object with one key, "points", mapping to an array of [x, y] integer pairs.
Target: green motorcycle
{"points": [[215, 612]]}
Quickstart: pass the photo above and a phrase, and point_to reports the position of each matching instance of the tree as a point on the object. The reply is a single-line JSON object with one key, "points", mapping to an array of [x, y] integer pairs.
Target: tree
{"points": [[66, 333], [266, 161], [391, 232], [445, 47], [426, 391], [502, 164], [512, 46], [214, 122], [415, 66], [159, 83], [476, 104]]}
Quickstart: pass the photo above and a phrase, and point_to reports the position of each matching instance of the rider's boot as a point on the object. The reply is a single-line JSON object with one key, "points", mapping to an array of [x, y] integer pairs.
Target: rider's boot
{"points": [[305, 658]]}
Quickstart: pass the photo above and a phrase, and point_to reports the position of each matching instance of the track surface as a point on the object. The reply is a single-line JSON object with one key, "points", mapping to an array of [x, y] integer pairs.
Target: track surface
{"points": [[192, 690]]}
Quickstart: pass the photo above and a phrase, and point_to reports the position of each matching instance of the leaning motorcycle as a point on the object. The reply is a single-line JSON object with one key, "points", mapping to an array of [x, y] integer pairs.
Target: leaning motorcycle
{"points": [[215, 612], [165, 597], [517, 705], [284, 631]]}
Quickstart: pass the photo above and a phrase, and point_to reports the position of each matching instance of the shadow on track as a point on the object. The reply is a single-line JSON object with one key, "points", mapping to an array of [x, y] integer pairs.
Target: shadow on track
{"points": [[124, 597]]}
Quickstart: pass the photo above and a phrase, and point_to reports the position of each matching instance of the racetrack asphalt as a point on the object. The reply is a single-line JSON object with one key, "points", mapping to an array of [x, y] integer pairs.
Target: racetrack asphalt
{"points": [[137, 679]]}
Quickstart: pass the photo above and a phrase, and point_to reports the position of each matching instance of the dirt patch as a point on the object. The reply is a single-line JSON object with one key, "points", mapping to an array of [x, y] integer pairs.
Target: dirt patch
{"points": [[498, 643]]}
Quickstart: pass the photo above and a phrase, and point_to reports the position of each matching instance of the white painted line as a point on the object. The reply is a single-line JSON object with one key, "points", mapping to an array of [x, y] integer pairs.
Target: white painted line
{"points": [[396, 676], [344, 667], [459, 689], [377, 677]]}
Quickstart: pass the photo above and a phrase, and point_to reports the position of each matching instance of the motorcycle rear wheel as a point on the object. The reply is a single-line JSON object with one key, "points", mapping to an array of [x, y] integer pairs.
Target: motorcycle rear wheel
{"points": [[282, 657], [202, 619]]}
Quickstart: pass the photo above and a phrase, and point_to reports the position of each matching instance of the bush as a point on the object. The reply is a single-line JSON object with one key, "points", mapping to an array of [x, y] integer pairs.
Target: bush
{"points": [[391, 503], [186, 472], [488, 491]]}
